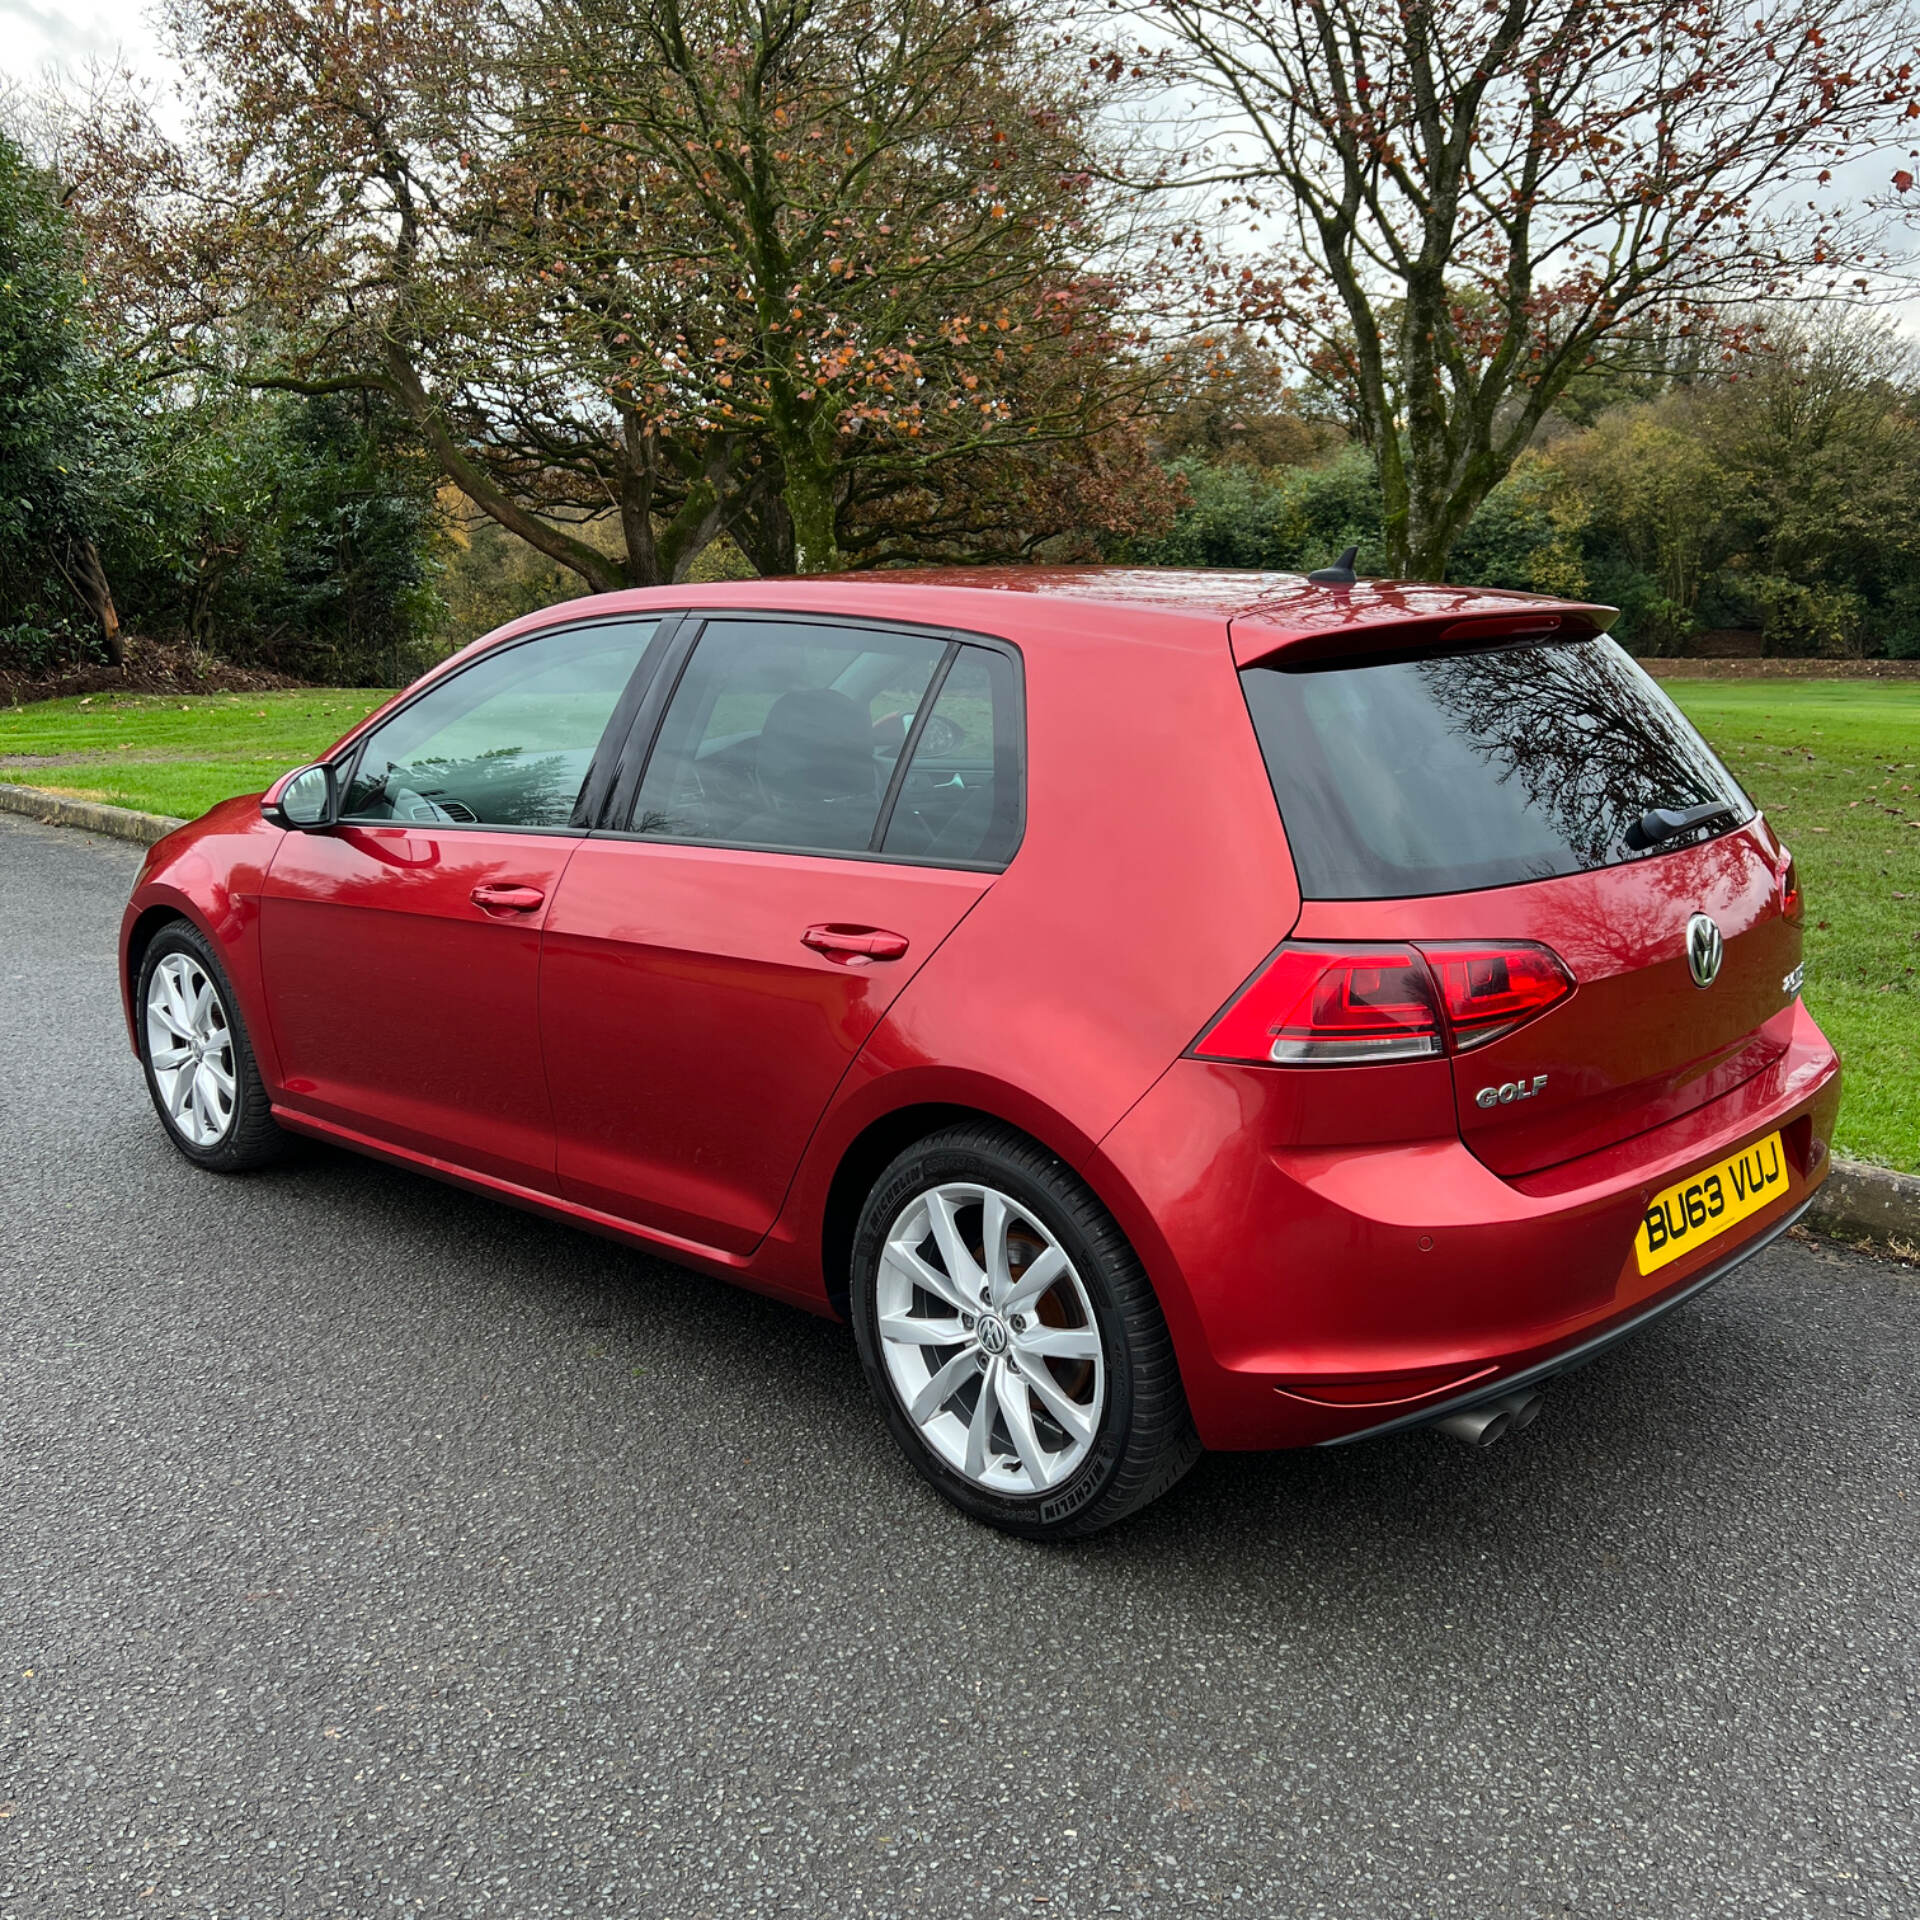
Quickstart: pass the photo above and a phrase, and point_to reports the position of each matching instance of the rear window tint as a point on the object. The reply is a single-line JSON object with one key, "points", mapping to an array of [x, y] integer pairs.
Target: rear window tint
{"points": [[1405, 777]]}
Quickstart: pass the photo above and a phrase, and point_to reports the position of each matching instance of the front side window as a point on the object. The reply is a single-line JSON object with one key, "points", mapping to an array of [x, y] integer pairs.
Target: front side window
{"points": [[1405, 777], [506, 742], [785, 734]]}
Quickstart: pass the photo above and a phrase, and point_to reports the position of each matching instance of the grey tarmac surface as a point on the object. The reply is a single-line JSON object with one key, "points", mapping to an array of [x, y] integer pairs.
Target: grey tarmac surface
{"points": [[368, 1549]]}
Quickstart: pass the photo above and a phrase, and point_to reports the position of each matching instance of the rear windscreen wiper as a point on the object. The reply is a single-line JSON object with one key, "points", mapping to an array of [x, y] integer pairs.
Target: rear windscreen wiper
{"points": [[1668, 823]]}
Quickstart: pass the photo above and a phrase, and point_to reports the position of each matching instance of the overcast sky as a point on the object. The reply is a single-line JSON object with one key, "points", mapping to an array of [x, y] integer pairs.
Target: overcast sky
{"points": [[35, 34]]}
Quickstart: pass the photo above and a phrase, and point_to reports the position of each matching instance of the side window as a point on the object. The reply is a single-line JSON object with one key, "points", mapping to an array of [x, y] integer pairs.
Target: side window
{"points": [[963, 794], [507, 741], [785, 734]]}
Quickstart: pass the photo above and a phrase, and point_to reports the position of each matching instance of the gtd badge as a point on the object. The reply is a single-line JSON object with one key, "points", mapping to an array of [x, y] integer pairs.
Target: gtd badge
{"points": [[1705, 950]]}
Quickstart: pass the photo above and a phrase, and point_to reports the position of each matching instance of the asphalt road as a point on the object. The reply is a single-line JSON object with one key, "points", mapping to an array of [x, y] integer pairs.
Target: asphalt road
{"points": [[369, 1549]]}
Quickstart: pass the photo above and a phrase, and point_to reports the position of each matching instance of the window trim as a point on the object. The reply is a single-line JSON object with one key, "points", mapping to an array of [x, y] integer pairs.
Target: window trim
{"points": [[618, 722], [651, 713]]}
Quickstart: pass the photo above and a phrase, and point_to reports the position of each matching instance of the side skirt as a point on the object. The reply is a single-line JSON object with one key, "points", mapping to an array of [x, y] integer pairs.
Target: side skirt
{"points": [[732, 1267]]}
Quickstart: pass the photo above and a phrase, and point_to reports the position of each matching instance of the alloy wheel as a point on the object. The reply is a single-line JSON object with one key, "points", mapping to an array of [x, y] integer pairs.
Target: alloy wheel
{"points": [[190, 1048], [989, 1338]]}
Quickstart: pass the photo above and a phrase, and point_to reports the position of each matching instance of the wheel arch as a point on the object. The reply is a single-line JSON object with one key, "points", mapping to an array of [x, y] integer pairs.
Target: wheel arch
{"points": [[884, 1136]]}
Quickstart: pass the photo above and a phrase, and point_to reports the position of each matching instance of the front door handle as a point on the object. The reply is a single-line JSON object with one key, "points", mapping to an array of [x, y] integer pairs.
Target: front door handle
{"points": [[855, 943], [493, 899]]}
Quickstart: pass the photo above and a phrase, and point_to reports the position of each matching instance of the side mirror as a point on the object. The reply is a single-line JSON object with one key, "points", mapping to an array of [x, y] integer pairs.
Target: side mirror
{"points": [[308, 801]]}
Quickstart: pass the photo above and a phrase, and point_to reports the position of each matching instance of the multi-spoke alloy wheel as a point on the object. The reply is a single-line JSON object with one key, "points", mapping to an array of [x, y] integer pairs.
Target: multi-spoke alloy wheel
{"points": [[990, 1338], [200, 1067], [190, 1046], [1012, 1338]]}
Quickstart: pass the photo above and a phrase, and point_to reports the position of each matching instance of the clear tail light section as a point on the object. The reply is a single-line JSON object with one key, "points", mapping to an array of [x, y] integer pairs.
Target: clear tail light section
{"points": [[1360, 1004]]}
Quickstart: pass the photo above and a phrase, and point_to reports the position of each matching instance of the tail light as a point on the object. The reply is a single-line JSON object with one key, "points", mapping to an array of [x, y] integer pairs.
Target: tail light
{"points": [[1488, 991], [1793, 909], [1357, 1004]]}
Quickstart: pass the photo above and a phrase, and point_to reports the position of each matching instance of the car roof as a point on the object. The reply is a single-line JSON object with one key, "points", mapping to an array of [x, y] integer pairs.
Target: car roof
{"points": [[1265, 611]]}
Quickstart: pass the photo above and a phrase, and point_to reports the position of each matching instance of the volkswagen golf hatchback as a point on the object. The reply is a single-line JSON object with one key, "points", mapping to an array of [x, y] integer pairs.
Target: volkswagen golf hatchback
{"points": [[1159, 1011]]}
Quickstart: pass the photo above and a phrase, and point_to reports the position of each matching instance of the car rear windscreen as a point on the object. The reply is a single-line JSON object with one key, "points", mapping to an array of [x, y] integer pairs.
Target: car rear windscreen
{"points": [[1401, 777]]}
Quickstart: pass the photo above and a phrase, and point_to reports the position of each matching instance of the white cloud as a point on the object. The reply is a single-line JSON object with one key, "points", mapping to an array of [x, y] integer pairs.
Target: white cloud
{"points": [[38, 34]]}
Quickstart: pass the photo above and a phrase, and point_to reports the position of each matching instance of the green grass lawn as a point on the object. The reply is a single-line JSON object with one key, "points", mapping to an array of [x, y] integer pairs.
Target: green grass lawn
{"points": [[172, 753], [1836, 765], [1834, 762]]}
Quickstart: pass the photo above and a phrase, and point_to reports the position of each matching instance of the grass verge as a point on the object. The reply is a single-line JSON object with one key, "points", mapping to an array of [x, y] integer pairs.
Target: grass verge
{"points": [[173, 753], [1836, 765]]}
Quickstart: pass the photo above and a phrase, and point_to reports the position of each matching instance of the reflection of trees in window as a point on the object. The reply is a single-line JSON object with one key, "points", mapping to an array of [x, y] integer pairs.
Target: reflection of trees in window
{"points": [[504, 787], [1580, 735]]}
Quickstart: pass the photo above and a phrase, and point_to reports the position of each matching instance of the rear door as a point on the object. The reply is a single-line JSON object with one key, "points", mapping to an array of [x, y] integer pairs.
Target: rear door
{"points": [[1499, 796], [815, 807]]}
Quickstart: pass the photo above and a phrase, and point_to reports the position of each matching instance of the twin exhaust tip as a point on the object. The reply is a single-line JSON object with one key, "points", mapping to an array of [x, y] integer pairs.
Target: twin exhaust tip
{"points": [[1493, 1420]]}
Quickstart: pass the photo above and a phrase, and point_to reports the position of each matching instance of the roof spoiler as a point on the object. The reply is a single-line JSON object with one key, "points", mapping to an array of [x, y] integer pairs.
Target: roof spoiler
{"points": [[1259, 642]]}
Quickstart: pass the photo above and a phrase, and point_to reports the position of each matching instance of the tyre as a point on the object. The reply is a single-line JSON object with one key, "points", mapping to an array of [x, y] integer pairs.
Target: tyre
{"points": [[1012, 1338], [199, 1063]]}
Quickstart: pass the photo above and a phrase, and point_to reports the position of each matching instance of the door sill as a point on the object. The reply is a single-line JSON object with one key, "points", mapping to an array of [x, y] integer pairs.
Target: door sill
{"points": [[693, 1253]]}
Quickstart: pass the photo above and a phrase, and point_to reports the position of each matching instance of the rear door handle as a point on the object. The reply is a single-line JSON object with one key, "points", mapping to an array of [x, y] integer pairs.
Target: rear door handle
{"points": [[493, 899], [866, 943]]}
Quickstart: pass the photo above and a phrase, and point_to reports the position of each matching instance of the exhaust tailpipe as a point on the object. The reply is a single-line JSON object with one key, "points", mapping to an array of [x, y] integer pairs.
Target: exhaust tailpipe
{"points": [[1523, 1409], [1478, 1426], [1493, 1420]]}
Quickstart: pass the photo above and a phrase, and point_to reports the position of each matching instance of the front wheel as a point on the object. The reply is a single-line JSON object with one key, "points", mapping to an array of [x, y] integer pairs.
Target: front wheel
{"points": [[1013, 1340], [199, 1062]]}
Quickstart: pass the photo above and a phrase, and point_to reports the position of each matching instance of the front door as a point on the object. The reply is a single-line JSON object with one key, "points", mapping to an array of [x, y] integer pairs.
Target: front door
{"points": [[819, 812], [401, 947]]}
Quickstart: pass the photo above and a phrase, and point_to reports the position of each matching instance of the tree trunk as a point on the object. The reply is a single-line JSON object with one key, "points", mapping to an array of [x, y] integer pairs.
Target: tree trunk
{"points": [[814, 515], [96, 591]]}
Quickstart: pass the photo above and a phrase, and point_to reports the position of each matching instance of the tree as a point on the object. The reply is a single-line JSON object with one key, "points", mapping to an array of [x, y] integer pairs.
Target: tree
{"points": [[1483, 197], [59, 459], [1780, 500], [749, 268]]}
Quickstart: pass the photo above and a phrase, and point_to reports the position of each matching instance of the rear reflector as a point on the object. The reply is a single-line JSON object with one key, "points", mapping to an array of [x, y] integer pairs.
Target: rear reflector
{"points": [[1358, 1004]]}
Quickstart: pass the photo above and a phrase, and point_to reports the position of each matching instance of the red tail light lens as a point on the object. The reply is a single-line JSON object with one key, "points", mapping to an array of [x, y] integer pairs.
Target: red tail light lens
{"points": [[1488, 991], [1357, 1004], [1792, 908], [1320, 1005]]}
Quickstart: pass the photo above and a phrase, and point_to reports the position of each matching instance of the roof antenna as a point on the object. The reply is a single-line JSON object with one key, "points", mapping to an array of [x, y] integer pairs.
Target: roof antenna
{"points": [[1340, 574]]}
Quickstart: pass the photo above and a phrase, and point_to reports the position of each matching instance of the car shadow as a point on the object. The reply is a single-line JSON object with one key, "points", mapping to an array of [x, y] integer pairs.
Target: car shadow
{"points": [[1663, 1425]]}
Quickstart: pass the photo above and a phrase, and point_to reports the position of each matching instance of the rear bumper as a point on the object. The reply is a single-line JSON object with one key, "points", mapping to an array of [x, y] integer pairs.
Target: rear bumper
{"points": [[1322, 1289], [1588, 1349]]}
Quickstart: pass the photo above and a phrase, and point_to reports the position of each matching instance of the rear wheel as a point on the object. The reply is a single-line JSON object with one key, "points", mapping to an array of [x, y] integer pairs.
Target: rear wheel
{"points": [[199, 1063], [1013, 1340]]}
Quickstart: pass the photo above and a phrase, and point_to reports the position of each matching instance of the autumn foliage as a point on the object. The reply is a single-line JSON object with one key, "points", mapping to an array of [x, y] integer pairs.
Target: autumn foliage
{"points": [[770, 271], [1459, 206]]}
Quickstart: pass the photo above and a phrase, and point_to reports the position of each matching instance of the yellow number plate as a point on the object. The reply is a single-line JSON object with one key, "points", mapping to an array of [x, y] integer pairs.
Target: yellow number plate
{"points": [[1704, 1204]]}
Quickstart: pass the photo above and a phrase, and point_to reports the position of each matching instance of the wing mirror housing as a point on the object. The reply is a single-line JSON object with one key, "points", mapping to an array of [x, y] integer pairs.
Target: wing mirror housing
{"points": [[307, 802]]}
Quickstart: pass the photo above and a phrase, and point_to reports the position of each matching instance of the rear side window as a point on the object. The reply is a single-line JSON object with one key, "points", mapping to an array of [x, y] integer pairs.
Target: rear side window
{"points": [[785, 735], [790, 736], [1406, 777], [960, 801]]}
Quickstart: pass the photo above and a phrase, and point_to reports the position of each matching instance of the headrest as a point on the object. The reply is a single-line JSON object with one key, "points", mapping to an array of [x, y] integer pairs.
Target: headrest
{"points": [[816, 745]]}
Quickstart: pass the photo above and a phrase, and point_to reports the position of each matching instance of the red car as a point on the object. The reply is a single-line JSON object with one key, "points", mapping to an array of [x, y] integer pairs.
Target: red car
{"points": [[1160, 1011]]}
